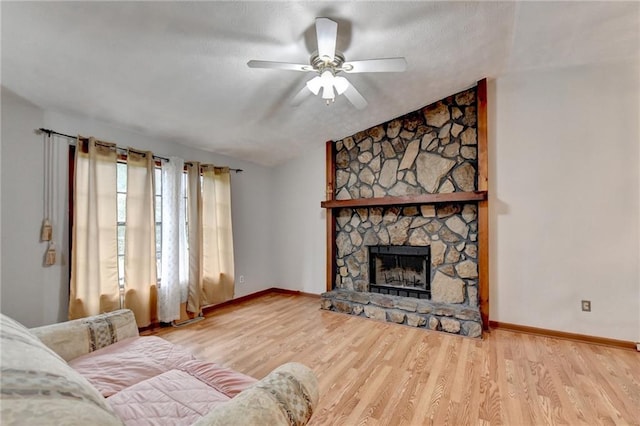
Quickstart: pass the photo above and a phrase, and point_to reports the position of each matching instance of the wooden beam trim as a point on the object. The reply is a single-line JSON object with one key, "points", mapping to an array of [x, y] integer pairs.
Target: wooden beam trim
{"points": [[451, 197], [251, 296], [483, 157], [330, 168], [483, 262], [294, 292], [584, 338], [483, 206]]}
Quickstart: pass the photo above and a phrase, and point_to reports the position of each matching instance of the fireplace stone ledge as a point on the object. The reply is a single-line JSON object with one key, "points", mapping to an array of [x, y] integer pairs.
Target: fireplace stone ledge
{"points": [[419, 313]]}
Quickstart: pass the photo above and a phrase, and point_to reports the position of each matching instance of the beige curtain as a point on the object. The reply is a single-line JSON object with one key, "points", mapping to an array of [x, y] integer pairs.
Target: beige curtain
{"points": [[140, 238], [217, 238], [94, 258], [194, 218]]}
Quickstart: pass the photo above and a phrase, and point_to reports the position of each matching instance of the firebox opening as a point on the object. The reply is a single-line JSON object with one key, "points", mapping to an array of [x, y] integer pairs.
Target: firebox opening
{"points": [[400, 271]]}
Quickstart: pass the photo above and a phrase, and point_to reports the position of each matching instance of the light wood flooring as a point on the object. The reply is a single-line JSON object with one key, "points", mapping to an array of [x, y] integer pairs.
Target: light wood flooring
{"points": [[377, 373]]}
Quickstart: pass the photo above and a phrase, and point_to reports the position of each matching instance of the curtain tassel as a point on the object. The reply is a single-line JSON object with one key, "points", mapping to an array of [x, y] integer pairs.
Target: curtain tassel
{"points": [[46, 231], [50, 256]]}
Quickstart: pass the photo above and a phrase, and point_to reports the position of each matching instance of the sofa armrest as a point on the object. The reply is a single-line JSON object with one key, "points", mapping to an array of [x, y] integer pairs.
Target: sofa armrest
{"points": [[286, 396], [71, 339]]}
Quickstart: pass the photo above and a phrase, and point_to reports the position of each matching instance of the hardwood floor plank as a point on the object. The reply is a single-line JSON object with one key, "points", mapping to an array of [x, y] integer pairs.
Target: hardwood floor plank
{"points": [[466, 394], [428, 396], [508, 384], [369, 398], [374, 373]]}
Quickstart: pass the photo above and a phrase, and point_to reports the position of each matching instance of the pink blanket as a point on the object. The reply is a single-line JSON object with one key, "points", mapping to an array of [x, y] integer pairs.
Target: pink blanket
{"points": [[128, 362], [172, 398], [151, 381]]}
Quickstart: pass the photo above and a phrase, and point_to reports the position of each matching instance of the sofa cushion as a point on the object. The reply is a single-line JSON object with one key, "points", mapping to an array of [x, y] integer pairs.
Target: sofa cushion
{"points": [[71, 339], [38, 387], [128, 362], [224, 380], [172, 398], [286, 396]]}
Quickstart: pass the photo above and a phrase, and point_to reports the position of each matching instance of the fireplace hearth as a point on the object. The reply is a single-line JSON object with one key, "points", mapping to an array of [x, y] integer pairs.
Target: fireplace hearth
{"points": [[400, 271]]}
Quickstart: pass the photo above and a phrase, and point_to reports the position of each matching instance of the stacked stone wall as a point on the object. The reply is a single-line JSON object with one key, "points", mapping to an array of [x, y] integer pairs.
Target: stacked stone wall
{"points": [[432, 150]]}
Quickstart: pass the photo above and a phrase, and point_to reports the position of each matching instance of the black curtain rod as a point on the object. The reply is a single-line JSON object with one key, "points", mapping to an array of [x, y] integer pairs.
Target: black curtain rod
{"points": [[53, 132]]}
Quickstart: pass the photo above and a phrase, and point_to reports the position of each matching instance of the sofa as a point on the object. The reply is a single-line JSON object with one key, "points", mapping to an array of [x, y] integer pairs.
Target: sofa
{"points": [[100, 371]]}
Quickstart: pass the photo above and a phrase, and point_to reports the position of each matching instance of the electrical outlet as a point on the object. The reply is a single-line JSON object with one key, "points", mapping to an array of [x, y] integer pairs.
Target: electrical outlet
{"points": [[241, 279], [586, 305]]}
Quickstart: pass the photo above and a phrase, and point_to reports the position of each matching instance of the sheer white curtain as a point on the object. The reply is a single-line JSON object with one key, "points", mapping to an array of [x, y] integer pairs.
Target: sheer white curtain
{"points": [[94, 265], [140, 273], [175, 257]]}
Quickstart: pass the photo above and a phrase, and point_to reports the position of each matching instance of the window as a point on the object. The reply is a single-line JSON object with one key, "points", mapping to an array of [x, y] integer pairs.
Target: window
{"points": [[122, 218], [112, 234]]}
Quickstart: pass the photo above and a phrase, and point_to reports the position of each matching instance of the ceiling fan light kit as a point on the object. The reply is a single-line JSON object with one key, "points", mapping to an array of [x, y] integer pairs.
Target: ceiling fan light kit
{"points": [[327, 62]]}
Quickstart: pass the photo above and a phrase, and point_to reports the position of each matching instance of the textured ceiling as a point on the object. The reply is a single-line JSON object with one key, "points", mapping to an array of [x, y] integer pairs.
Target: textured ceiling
{"points": [[177, 70]]}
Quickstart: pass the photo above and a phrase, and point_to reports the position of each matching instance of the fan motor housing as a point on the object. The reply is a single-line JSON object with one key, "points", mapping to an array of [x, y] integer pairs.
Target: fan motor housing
{"points": [[320, 64]]}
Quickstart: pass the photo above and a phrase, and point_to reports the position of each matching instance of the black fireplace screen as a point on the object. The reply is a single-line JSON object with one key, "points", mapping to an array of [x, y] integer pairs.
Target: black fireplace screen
{"points": [[400, 270]]}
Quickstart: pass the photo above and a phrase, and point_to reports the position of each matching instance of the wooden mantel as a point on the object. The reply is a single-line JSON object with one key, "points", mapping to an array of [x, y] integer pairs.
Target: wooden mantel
{"points": [[480, 196], [452, 197]]}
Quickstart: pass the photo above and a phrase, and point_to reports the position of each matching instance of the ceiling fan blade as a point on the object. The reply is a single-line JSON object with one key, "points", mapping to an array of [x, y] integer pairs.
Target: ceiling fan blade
{"points": [[355, 97], [376, 65], [326, 33], [303, 94], [279, 66]]}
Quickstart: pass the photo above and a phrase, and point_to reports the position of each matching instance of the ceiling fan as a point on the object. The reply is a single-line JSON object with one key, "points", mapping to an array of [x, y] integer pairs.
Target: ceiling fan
{"points": [[327, 63]]}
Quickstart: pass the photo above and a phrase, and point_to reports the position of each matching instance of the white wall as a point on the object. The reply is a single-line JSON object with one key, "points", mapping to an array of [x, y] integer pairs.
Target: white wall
{"points": [[564, 200], [299, 221], [30, 292], [564, 195], [36, 295]]}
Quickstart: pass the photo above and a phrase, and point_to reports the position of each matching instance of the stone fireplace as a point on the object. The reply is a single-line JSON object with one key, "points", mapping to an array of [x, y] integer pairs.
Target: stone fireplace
{"points": [[406, 240]]}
